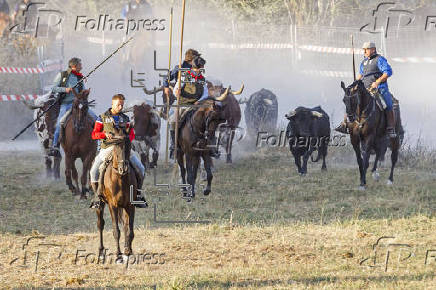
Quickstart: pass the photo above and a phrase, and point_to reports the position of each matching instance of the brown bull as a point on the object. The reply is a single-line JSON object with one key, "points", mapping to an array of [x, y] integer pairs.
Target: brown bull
{"points": [[231, 112], [77, 143], [146, 124], [118, 181]]}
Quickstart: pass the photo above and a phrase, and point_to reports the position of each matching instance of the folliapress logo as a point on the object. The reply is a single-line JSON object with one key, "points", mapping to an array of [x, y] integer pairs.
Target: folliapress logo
{"points": [[104, 22]]}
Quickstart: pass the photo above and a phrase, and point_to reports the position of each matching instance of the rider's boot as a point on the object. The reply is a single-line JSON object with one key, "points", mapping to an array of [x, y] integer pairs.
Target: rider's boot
{"points": [[390, 130], [97, 201], [139, 196]]}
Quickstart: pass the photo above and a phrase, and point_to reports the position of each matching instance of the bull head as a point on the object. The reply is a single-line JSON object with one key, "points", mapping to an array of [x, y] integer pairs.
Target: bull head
{"points": [[290, 114]]}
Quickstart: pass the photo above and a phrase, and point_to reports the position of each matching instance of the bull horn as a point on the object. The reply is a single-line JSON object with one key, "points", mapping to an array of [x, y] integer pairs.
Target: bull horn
{"points": [[290, 114], [238, 92], [31, 107], [268, 101], [152, 92], [317, 114], [223, 95]]}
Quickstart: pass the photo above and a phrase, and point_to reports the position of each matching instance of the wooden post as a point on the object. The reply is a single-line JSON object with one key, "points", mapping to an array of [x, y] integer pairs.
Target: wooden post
{"points": [[169, 72], [180, 85]]}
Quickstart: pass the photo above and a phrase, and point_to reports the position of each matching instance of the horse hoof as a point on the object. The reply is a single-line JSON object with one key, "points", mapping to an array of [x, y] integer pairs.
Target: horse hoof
{"points": [[362, 187], [206, 192], [389, 182], [375, 176], [83, 197], [302, 174]]}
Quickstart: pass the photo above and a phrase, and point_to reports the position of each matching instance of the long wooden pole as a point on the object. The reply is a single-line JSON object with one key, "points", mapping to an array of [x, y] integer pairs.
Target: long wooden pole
{"points": [[354, 62], [179, 84], [169, 73]]}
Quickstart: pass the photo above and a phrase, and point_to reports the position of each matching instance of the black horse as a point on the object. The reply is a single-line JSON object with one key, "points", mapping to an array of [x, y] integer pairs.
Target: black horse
{"points": [[368, 129]]}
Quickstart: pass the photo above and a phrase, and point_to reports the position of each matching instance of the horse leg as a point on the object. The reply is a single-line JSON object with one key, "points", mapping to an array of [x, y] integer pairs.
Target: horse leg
{"points": [[374, 172], [115, 229], [86, 165], [356, 146], [68, 173], [195, 163], [155, 156], [189, 172], [57, 167], [395, 143], [100, 225], [75, 177], [128, 217], [48, 169], [181, 167], [229, 146], [207, 166]]}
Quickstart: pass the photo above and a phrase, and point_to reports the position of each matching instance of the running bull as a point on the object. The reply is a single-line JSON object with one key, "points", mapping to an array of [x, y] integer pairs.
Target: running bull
{"points": [[308, 130]]}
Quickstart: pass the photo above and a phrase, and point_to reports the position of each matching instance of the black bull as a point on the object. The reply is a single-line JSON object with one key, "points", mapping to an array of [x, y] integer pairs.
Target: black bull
{"points": [[308, 130]]}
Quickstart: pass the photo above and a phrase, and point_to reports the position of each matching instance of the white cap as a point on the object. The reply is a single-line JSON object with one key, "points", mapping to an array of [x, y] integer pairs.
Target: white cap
{"points": [[368, 45]]}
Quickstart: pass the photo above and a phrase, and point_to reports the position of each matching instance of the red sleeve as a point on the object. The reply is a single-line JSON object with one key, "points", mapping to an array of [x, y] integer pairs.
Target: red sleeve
{"points": [[98, 132], [131, 133]]}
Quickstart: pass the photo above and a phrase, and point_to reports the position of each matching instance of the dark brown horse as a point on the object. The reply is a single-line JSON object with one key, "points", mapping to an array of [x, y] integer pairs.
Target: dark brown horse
{"points": [[196, 138], [45, 128], [368, 129], [77, 143], [118, 180]]}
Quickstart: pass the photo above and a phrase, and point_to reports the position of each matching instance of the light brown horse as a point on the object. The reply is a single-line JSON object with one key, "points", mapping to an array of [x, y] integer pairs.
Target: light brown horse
{"points": [[77, 143], [118, 180], [195, 140]]}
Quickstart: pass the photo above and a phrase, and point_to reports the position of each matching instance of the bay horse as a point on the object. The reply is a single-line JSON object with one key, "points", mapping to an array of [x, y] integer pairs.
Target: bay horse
{"points": [[77, 143], [118, 180], [368, 129], [196, 139]]}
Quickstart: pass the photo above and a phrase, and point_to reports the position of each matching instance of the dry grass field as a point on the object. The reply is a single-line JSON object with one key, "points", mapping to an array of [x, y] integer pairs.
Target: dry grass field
{"points": [[267, 228]]}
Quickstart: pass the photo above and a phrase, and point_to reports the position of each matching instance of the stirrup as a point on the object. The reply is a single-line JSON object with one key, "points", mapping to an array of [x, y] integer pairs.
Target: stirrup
{"points": [[144, 203]]}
